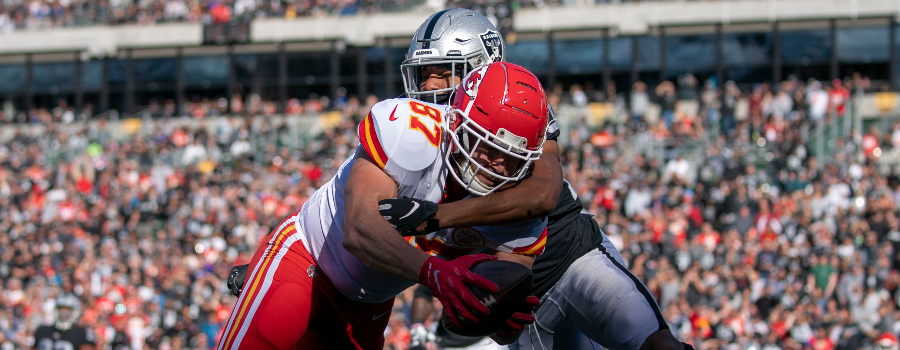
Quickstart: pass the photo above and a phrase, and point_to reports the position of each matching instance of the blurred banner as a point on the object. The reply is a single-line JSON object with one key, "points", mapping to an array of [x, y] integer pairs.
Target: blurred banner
{"points": [[226, 33]]}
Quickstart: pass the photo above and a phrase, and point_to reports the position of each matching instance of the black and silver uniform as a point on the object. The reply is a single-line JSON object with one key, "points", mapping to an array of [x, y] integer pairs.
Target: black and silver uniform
{"points": [[50, 338], [569, 236]]}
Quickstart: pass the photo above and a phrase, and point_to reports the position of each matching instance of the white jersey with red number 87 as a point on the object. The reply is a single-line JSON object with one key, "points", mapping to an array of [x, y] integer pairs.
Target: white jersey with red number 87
{"points": [[405, 138]]}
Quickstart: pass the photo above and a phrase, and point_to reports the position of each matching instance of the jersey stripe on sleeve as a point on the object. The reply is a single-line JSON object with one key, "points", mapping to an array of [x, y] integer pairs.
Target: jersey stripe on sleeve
{"points": [[535, 248], [368, 138]]}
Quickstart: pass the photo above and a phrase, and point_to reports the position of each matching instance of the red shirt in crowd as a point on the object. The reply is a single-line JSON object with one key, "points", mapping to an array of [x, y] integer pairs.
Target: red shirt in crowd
{"points": [[605, 197], [710, 239], [822, 344], [66, 211], [869, 143], [838, 97]]}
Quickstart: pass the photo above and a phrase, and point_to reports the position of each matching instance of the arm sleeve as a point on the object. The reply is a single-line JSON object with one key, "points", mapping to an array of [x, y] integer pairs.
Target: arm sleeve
{"points": [[552, 127], [369, 141], [402, 135], [526, 238]]}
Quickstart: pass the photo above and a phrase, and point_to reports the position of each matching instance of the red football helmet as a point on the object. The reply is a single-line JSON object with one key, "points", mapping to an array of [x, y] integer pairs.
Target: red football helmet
{"points": [[888, 341], [502, 108]]}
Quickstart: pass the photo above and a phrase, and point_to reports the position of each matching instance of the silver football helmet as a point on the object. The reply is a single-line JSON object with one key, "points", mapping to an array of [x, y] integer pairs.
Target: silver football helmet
{"points": [[459, 39], [67, 311]]}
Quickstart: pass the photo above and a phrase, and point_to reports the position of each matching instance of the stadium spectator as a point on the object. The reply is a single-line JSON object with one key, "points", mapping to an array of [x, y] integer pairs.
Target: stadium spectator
{"points": [[639, 103], [729, 107], [817, 99], [666, 98], [838, 97]]}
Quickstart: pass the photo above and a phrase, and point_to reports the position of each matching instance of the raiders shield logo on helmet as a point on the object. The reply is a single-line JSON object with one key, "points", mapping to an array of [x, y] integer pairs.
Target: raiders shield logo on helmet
{"points": [[493, 45], [467, 237]]}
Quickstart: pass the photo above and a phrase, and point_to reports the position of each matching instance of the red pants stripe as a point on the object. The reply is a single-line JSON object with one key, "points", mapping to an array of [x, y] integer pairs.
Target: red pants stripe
{"points": [[287, 303]]}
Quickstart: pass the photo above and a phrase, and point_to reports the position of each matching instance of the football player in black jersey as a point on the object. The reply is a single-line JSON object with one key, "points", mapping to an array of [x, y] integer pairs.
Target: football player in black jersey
{"points": [[616, 310], [64, 333], [587, 293]]}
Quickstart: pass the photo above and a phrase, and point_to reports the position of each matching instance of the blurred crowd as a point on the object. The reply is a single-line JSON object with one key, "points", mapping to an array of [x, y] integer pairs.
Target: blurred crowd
{"points": [[144, 230], [785, 252], [790, 252], [42, 14], [685, 107]]}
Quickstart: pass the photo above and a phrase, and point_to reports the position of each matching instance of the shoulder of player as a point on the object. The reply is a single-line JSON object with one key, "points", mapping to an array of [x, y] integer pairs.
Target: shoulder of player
{"points": [[404, 131], [43, 330], [396, 113]]}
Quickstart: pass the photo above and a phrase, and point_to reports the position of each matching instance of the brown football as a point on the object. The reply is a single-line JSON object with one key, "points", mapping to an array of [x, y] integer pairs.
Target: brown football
{"points": [[514, 282]]}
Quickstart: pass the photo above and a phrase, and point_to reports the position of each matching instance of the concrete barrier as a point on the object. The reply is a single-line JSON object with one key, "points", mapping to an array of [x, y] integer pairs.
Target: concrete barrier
{"points": [[365, 30]]}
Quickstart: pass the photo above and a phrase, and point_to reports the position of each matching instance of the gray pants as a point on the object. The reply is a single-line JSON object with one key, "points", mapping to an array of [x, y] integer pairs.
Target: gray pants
{"points": [[597, 300]]}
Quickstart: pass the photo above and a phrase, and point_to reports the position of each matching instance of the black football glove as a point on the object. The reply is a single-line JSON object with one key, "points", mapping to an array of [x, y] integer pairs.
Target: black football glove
{"points": [[237, 278], [406, 214]]}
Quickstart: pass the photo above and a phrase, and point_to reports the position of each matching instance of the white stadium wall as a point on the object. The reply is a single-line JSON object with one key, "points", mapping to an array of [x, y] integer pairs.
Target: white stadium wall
{"points": [[364, 30], [101, 40]]}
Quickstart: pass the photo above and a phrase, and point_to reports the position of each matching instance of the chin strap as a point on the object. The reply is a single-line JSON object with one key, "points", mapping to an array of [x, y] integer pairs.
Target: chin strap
{"points": [[440, 99], [472, 183]]}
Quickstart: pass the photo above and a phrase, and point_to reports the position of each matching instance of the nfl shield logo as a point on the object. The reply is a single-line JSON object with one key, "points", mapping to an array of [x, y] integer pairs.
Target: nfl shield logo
{"points": [[311, 271], [493, 45]]}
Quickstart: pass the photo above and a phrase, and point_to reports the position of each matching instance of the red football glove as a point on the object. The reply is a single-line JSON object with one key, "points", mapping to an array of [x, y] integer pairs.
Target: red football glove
{"points": [[448, 279], [519, 320]]}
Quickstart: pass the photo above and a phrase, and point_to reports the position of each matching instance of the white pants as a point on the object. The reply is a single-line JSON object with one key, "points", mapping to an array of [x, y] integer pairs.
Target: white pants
{"points": [[597, 301]]}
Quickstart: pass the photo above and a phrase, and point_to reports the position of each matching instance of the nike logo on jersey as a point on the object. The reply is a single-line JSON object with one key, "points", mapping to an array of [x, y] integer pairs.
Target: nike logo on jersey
{"points": [[411, 211], [393, 118], [379, 316]]}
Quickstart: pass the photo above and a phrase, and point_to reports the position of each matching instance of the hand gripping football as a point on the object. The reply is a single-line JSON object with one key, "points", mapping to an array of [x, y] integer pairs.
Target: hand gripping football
{"points": [[514, 281]]}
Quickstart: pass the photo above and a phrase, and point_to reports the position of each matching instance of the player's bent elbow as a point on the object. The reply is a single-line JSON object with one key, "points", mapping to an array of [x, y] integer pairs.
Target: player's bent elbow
{"points": [[351, 239], [542, 204]]}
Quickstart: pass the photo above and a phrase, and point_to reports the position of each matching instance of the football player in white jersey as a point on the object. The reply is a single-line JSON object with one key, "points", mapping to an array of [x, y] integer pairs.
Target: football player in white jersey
{"points": [[328, 274]]}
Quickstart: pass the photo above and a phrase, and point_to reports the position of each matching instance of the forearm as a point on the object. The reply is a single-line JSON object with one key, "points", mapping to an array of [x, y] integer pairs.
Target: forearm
{"points": [[533, 197], [386, 253], [366, 234]]}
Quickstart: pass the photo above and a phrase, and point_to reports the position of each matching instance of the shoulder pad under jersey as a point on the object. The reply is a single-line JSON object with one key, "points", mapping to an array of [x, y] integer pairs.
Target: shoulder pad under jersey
{"points": [[404, 132]]}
